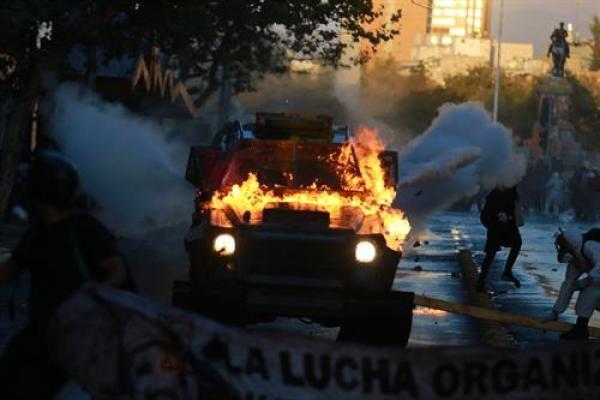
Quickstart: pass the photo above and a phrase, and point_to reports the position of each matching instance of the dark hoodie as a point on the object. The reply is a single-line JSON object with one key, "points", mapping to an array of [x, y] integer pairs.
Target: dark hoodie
{"points": [[501, 233]]}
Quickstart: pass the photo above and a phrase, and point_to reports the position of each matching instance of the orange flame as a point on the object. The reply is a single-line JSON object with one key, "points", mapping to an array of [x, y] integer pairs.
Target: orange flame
{"points": [[367, 191], [429, 311]]}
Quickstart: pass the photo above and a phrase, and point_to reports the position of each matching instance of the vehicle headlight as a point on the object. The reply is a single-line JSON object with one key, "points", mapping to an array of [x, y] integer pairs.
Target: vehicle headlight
{"points": [[224, 244], [365, 252]]}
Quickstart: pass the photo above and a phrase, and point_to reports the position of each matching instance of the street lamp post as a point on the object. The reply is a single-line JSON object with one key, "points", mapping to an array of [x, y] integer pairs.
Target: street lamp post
{"points": [[498, 58]]}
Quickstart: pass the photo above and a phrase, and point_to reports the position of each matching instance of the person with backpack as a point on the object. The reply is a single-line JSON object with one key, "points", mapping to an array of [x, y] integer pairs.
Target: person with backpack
{"points": [[581, 252], [63, 248], [501, 216]]}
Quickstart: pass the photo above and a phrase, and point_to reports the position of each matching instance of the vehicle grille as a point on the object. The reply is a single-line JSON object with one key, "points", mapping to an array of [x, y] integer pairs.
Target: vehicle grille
{"points": [[326, 254]]}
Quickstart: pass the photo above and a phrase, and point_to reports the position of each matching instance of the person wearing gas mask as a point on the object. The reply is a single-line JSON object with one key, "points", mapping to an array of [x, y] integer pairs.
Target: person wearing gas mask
{"points": [[63, 248], [581, 252]]}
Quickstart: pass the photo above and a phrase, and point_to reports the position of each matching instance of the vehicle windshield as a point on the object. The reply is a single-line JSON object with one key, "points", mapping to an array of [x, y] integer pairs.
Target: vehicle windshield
{"points": [[293, 165]]}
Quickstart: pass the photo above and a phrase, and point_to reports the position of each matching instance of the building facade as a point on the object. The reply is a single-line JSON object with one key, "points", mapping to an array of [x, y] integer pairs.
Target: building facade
{"points": [[412, 27], [451, 19], [430, 23]]}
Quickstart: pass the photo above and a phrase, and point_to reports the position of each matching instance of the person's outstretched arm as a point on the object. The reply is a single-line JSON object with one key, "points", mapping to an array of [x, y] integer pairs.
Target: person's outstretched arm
{"points": [[567, 288]]}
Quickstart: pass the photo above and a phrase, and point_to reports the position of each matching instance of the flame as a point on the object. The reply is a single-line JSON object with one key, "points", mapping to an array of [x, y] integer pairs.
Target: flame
{"points": [[367, 191], [419, 310], [368, 146]]}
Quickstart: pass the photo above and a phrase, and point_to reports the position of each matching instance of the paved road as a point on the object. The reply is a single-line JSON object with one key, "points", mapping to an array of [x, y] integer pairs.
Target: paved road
{"points": [[536, 267], [430, 269]]}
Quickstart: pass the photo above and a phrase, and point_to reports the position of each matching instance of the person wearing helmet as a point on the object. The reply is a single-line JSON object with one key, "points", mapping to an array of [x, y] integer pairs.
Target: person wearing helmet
{"points": [[581, 252], [63, 248]]}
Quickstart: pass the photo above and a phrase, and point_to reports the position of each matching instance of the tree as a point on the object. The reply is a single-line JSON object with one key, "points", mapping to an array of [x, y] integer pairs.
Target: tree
{"points": [[246, 37], [304, 93], [519, 103], [584, 114], [595, 31], [383, 83], [418, 109]]}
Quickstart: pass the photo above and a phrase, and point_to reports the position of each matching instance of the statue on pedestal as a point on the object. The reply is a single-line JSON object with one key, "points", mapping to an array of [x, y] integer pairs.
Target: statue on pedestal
{"points": [[559, 48]]}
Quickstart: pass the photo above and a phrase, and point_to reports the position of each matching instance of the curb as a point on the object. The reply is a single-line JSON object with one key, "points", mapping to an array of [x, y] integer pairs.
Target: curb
{"points": [[494, 334]]}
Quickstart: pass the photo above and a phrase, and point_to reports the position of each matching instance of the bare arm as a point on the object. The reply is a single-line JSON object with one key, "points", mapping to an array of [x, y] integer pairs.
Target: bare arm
{"points": [[8, 270], [114, 270], [566, 289]]}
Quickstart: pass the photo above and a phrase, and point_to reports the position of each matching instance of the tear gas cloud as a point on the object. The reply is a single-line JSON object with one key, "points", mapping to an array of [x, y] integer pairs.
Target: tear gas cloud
{"points": [[135, 174], [347, 89], [126, 164], [462, 152]]}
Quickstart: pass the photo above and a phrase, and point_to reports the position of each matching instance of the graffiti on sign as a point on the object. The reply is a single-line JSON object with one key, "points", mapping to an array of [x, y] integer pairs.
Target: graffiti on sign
{"points": [[155, 80]]}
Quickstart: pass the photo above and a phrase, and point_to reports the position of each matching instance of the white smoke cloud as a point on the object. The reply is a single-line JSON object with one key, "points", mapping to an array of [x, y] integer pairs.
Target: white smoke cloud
{"points": [[125, 162], [347, 89], [460, 153]]}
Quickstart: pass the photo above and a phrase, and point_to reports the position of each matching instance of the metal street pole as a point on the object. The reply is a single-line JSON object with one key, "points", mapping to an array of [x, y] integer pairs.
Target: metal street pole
{"points": [[498, 58]]}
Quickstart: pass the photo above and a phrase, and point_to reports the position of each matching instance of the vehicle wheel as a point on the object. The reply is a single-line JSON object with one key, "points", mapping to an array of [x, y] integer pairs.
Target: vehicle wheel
{"points": [[226, 309], [388, 324], [377, 332], [181, 295]]}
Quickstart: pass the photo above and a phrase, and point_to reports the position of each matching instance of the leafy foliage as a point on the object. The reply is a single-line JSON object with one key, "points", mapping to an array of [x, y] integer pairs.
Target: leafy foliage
{"points": [[517, 101], [595, 31], [303, 93], [383, 84], [248, 37], [212, 40], [584, 114]]}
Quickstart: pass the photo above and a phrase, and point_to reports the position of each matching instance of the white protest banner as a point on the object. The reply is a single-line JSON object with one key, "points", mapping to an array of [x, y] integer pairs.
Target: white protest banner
{"points": [[119, 345]]}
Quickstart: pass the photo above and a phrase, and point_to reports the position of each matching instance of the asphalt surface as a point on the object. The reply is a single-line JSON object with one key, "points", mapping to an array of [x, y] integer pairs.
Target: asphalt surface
{"points": [[430, 269], [536, 268]]}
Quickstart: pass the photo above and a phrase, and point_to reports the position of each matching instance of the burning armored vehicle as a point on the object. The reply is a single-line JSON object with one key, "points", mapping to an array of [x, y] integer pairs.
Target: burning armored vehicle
{"points": [[293, 218]]}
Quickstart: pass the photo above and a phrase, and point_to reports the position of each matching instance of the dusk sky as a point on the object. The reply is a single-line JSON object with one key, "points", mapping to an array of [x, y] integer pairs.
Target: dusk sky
{"points": [[533, 20]]}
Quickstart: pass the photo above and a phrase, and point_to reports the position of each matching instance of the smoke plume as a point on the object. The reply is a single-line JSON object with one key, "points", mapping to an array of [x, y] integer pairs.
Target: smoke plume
{"points": [[462, 152], [126, 164], [348, 89]]}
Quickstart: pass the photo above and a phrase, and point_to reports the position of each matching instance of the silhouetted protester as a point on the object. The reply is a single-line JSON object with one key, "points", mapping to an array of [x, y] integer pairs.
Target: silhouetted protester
{"points": [[535, 183], [63, 248], [555, 195], [594, 181], [502, 216], [577, 188], [581, 252]]}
